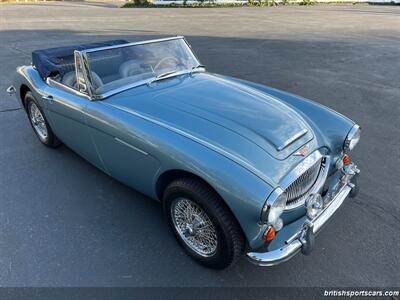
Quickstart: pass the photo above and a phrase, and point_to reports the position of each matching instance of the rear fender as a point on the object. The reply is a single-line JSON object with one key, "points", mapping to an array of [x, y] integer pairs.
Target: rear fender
{"points": [[28, 76]]}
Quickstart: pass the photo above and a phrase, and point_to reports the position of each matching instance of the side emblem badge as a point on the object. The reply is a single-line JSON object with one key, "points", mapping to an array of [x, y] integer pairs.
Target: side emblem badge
{"points": [[303, 151]]}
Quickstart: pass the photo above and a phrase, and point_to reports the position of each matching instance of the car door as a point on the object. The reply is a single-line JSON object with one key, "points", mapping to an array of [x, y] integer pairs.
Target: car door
{"points": [[125, 151], [66, 111]]}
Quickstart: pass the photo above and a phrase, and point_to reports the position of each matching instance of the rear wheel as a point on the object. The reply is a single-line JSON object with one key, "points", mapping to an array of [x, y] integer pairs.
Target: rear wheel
{"points": [[39, 123], [202, 223]]}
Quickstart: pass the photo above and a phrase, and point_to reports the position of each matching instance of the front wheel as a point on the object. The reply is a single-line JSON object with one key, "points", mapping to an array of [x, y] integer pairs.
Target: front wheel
{"points": [[202, 223]]}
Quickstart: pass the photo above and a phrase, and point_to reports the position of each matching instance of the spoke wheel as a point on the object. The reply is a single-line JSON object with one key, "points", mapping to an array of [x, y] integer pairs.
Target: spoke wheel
{"points": [[38, 122], [202, 223], [194, 226]]}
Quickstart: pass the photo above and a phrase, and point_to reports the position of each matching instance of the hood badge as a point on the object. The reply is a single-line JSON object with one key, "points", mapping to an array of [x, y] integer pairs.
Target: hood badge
{"points": [[303, 151]]}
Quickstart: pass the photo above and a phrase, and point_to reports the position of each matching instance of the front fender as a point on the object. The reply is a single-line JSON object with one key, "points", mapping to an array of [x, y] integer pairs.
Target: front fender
{"points": [[242, 191]]}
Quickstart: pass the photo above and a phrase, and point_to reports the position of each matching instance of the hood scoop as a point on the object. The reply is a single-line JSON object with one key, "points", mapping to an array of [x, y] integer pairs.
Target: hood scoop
{"points": [[292, 139]]}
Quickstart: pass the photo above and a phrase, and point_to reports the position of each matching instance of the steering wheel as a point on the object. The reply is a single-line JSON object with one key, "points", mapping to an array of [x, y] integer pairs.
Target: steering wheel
{"points": [[164, 60]]}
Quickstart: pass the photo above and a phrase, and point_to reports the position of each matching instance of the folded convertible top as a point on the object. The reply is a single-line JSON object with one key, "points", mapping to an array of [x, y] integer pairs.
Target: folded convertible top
{"points": [[51, 62]]}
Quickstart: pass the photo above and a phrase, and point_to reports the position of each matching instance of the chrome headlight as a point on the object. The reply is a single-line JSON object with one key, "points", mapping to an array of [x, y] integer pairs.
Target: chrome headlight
{"points": [[273, 208], [352, 138], [314, 205]]}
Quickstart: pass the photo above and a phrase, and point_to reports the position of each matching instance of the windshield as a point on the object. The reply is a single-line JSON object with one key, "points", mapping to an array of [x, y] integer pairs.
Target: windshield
{"points": [[123, 66]]}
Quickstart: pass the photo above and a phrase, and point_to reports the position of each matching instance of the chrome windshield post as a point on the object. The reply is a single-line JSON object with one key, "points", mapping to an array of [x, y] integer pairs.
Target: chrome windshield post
{"points": [[83, 76]]}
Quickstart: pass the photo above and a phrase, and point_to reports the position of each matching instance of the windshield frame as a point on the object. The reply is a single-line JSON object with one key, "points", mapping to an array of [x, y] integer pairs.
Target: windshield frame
{"points": [[86, 67]]}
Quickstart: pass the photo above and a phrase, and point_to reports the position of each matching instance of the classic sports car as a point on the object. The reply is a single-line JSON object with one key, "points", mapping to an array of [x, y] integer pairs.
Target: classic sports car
{"points": [[238, 166]]}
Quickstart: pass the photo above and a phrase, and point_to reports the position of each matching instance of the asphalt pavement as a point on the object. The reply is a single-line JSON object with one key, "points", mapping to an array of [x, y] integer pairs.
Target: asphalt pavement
{"points": [[65, 223]]}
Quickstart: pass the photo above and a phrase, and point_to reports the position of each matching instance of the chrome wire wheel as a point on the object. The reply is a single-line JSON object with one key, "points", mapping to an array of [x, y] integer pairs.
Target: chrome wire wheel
{"points": [[38, 121], [194, 227]]}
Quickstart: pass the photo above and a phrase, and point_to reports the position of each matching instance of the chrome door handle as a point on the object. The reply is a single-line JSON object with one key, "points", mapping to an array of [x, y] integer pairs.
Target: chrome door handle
{"points": [[48, 98]]}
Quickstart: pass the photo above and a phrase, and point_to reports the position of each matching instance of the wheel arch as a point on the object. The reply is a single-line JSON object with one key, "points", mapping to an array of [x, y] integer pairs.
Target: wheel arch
{"points": [[165, 178], [23, 90]]}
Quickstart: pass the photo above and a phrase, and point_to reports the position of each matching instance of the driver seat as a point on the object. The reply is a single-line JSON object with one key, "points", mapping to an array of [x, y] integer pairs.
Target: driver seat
{"points": [[130, 68]]}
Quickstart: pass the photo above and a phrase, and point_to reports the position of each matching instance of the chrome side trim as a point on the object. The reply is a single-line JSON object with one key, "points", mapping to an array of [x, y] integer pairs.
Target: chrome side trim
{"points": [[130, 146], [292, 139], [295, 243]]}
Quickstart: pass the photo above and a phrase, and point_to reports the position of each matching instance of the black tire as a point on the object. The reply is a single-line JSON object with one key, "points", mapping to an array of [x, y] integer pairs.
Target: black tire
{"points": [[230, 238], [50, 140]]}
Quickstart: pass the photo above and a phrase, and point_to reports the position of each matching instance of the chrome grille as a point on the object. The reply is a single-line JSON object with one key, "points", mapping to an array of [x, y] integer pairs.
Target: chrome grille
{"points": [[298, 189]]}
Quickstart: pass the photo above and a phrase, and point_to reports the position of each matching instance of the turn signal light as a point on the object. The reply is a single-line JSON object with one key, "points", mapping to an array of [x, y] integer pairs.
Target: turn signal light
{"points": [[269, 234], [346, 159]]}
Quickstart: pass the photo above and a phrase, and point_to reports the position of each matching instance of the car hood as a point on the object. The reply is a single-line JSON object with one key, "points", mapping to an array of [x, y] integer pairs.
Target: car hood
{"points": [[237, 119]]}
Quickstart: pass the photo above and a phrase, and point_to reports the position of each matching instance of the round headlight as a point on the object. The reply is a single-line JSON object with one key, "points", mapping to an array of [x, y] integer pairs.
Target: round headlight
{"points": [[352, 138], [273, 208], [314, 205]]}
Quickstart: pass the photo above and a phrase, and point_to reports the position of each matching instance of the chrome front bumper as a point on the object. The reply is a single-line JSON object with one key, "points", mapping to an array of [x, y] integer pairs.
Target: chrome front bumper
{"points": [[304, 239]]}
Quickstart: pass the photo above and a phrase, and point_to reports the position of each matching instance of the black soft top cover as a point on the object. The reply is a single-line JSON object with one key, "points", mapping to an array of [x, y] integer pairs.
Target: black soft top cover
{"points": [[52, 61]]}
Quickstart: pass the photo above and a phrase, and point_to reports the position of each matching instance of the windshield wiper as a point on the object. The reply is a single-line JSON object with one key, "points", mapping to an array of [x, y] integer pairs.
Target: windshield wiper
{"points": [[196, 68], [168, 73], [162, 75]]}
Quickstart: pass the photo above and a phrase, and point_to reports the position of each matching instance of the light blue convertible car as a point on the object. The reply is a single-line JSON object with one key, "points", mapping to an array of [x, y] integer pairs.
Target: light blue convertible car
{"points": [[239, 168]]}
